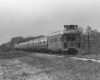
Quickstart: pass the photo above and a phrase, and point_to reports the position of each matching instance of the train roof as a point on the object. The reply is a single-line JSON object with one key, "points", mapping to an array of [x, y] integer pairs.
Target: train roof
{"points": [[38, 40], [22, 43], [56, 33], [43, 39], [69, 31]]}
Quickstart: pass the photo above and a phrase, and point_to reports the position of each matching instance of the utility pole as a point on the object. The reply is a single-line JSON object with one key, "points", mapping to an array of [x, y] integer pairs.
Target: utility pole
{"points": [[88, 42], [88, 30]]}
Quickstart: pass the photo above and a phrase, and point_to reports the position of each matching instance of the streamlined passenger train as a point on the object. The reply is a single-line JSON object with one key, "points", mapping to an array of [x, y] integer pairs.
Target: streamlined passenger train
{"points": [[67, 41]]}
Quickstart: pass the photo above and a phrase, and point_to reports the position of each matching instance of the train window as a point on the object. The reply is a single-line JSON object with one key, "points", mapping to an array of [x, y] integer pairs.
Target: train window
{"points": [[65, 45], [54, 40], [40, 42], [44, 41], [51, 40], [57, 39], [61, 39], [79, 38], [79, 45], [36, 43], [71, 37], [33, 43]]}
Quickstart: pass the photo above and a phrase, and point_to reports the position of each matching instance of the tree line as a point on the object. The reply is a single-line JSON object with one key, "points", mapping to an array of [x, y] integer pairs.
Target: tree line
{"points": [[9, 46]]}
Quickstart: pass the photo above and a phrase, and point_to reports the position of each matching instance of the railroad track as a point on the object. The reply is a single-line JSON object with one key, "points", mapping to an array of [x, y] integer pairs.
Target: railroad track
{"points": [[71, 56], [21, 54], [85, 59]]}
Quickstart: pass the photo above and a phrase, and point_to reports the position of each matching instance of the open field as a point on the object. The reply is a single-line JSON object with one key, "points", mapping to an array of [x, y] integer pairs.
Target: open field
{"points": [[44, 67]]}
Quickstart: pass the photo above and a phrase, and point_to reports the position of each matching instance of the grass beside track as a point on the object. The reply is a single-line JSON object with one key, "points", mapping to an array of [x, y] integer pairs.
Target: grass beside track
{"points": [[65, 68], [30, 66], [13, 54]]}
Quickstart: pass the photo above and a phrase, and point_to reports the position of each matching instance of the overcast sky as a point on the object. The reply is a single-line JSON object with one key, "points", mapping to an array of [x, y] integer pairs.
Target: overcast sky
{"points": [[36, 17]]}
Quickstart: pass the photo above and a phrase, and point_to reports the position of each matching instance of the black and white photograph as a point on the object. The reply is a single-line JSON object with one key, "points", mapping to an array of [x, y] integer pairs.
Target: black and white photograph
{"points": [[49, 39]]}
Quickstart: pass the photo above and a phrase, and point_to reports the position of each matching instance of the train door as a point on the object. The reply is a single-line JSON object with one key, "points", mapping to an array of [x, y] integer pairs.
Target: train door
{"points": [[69, 40], [65, 42], [78, 41]]}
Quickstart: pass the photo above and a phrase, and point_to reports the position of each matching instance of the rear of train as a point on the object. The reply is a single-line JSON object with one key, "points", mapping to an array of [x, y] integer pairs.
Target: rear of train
{"points": [[67, 41], [71, 39]]}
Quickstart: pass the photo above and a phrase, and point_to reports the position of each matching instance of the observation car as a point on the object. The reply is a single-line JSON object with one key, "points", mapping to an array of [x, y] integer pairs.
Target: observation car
{"points": [[67, 40]]}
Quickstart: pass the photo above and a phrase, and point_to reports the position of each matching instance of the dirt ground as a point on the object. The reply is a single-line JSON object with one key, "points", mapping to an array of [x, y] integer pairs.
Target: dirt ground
{"points": [[41, 67]]}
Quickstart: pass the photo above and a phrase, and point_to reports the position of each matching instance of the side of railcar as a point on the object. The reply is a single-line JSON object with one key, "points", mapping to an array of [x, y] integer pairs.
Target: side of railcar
{"points": [[32, 45], [55, 42], [21, 46], [67, 41], [43, 44], [39, 44]]}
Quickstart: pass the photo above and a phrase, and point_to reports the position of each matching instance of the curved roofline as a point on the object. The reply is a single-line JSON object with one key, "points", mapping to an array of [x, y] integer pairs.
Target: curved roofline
{"points": [[56, 32]]}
